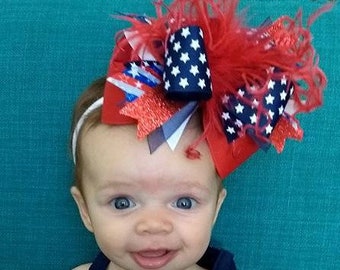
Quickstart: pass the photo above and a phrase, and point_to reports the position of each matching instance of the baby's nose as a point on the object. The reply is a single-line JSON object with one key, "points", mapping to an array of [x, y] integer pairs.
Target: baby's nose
{"points": [[155, 222]]}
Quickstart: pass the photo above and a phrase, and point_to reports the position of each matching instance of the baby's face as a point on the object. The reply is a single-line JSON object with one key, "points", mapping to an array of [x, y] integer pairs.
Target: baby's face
{"points": [[147, 211]]}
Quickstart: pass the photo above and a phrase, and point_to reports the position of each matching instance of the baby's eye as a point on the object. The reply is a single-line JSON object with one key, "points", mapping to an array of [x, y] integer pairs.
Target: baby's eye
{"points": [[121, 203], [185, 203]]}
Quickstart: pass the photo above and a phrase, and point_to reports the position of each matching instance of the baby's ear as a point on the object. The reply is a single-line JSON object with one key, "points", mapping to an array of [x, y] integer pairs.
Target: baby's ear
{"points": [[221, 196], [82, 207]]}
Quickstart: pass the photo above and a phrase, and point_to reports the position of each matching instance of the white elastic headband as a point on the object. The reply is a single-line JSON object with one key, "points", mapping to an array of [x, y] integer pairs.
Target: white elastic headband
{"points": [[98, 103]]}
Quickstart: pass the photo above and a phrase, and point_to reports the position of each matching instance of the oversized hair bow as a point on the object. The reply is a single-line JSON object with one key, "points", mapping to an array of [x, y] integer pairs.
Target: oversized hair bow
{"points": [[159, 90]]}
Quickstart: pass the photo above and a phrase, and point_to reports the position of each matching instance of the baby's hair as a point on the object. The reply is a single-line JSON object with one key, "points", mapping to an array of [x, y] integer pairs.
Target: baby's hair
{"points": [[88, 97]]}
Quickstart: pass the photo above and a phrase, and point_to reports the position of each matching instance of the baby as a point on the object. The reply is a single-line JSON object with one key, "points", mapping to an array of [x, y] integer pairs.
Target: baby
{"points": [[188, 97], [146, 211]]}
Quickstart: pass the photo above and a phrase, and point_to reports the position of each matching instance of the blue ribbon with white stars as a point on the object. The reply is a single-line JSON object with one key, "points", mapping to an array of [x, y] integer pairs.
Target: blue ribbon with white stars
{"points": [[186, 70], [241, 114]]}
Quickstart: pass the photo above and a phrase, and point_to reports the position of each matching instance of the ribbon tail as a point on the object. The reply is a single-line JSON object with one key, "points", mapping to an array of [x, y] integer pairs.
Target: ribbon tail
{"points": [[172, 130], [155, 139]]}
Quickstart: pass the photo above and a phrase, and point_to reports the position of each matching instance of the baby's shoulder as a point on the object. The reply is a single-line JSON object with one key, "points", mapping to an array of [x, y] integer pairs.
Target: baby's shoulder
{"points": [[85, 266]]}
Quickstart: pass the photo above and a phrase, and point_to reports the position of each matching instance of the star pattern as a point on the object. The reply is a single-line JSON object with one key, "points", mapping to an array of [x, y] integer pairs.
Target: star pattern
{"points": [[186, 73], [243, 112], [137, 77], [145, 72]]}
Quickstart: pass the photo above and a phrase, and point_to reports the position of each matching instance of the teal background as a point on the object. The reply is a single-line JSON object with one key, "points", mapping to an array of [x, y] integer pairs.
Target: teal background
{"points": [[282, 211]]}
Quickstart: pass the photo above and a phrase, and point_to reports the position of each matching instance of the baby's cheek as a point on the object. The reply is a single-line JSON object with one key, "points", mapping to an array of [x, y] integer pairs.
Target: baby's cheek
{"points": [[199, 233], [109, 234], [111, 244]]}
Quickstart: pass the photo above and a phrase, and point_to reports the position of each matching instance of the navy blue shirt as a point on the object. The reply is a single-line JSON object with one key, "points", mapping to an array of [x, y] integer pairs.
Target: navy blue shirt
{"points": [[213, 259]]}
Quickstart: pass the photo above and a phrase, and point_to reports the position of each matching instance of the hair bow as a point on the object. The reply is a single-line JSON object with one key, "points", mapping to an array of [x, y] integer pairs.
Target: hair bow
{"points": [[245, 80]]}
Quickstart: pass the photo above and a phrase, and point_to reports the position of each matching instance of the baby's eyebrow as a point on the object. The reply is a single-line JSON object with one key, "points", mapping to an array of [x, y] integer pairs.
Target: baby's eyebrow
{"points": [[108, 188], [180, 183], [192, 185], [115, 184]]}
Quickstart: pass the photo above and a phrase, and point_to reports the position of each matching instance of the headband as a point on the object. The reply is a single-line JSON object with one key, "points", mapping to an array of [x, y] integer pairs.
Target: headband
{"points": [[249, 83], [97, 104]]}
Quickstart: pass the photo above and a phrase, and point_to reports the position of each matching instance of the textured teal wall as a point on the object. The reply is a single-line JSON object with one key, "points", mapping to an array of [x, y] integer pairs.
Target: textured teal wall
{"points": [[282, 211]]}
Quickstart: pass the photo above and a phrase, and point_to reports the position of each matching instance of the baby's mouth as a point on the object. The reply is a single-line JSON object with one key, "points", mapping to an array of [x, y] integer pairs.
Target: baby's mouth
{"points": [[153, 259]]}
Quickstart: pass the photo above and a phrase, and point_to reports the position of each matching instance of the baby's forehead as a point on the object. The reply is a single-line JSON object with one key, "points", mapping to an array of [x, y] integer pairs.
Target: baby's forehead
{"points": [[192, 131], [114, 152]]}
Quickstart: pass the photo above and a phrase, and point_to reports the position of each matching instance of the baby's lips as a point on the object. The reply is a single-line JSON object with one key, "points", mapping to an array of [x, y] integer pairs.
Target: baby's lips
{"points": [[153, 253], [153, 258]]}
